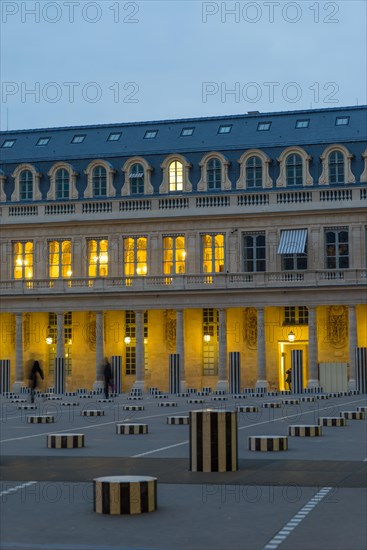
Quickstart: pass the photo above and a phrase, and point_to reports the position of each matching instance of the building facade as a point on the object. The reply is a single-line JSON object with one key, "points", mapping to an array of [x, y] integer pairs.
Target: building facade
{"points": [[199, 237]]}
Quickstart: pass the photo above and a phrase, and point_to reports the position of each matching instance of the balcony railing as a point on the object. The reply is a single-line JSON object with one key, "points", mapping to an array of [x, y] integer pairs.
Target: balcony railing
{"points": [[173, 283]]}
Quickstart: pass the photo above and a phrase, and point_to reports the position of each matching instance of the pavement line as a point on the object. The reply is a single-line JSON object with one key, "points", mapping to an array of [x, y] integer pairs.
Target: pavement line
{"points": [[53, 546], [296, 519], [161, 449], [14, 489]]}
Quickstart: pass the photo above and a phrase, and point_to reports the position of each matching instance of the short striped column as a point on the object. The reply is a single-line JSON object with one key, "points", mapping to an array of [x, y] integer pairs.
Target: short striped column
{"points": [[135, 398], [335, 421], [267, 443], [116, 373], [70, 404], [297, 374], [313, 430], [65, 441], [247, 409], [27, 407], [353, 415], [59, 375], [271, 405], [290, 402], [213, 441], [133, 407], [362, 409], [361, 369], [4, 376], [118, 495], [131, 429], [218, 398], [174, 373], [19, 400], [41, 419], [178, 420], [92, 412], [54, 398], [234, 372], [182, 394], [167, 404], [196, 400]]}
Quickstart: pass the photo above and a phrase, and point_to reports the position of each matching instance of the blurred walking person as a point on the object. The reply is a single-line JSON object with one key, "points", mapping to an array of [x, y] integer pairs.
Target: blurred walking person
{"points": [[33, 377]]}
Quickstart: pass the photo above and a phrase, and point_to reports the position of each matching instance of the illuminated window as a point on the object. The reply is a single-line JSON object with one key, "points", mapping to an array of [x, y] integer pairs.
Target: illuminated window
{"points": [[98, 258], [336, 167], [59, 259], [210, 341], [23, 260], [62, 181], [174, 255], [295, 315], [130, 340], [213, 254], [135, 256], [68, 340], [337, 249], [26, 186], [136, 177], [254, 172], [254, 253], [175, 176], [99, 179], [294, 170]]}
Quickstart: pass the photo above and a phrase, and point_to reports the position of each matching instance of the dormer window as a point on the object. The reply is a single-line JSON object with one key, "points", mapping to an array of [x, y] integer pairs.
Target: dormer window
{"points": [[302, 123], [150, 134], [342, 121], [78, 139], [263, 126], [225, 129], [187, 132], [114, 137], [8, 143], [42, 142]]}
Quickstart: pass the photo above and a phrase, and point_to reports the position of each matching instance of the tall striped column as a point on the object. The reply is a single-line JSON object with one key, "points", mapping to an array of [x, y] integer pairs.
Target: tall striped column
{"points": [[297, 374], [234, 372], [361, 369], [174, 373], [213, 441], [116, 363], [60, 375], [4, 376]]}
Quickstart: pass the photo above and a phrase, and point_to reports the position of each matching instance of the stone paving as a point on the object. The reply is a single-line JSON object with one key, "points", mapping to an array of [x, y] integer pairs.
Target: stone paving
{"points": [[311, 496]]}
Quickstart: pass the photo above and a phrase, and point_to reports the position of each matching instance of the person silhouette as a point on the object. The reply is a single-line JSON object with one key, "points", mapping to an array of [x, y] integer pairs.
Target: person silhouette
{"points": [[33, 377], [107, 373]]}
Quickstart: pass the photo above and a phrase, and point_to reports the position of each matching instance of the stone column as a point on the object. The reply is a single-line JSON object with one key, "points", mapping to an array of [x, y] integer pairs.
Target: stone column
{"points": [[99, 383], [352, 348], [222, 367], [180, 346], [19, 374], [261, 365], [313, 379], [139, 351]]}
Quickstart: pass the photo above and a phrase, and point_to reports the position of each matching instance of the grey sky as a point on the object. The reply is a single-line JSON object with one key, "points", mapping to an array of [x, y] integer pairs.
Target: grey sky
{"points": [[116, 61]]}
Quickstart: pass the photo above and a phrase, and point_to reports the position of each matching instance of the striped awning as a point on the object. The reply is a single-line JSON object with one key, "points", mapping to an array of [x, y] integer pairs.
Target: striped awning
{"points": [[293, 242]]}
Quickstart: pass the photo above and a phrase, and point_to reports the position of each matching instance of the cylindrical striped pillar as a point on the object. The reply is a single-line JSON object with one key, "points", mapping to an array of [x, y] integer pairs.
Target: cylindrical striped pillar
{"points": [[4, 376], [117, 495], [361, 369], [332, 421], [353, 415], [65, 441], [178, 420], [116, 373], [174, 373], [131, 429], [60, 375], [297, 375], [41, 419], [234, 372], [213, 441], [268, 443], [305, 431]]}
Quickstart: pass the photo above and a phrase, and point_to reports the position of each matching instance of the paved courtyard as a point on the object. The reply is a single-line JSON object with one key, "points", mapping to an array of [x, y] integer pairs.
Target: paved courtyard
{"points": [[311, 496]]}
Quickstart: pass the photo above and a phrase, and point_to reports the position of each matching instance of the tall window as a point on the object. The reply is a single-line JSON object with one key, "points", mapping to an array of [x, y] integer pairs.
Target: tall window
{"points": [[214, 174], [130, 341], [135, 256], [136, 176], [23, 260], [98, 258], [210, 341], [254, 173], [59, 259], [295, 315], [26, 186], [175, 171], [337, 249], [254, 253], [294, 170], [68, 341], [62, 181], [213, 253], [294, 262], [336, 167], [99, 179], [174, 255]]}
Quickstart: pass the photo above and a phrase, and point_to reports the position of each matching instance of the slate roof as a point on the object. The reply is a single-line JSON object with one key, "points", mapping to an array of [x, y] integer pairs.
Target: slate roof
{"points": [[244, 135]]}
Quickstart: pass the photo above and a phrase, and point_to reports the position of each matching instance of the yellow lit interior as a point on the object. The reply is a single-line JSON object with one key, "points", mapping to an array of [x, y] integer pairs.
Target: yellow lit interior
{"points": [[175, 176]]}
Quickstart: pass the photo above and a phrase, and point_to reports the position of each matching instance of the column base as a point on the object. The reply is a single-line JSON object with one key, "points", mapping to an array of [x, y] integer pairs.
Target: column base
{"points": [[98, 384], [222, 385], [262, 384], [352, 384], [313, 383], [139, 385], [17, 386], [183, 386]]}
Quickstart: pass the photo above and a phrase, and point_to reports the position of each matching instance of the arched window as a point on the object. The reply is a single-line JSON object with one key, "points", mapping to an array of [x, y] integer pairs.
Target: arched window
{"points": [[175, 171], [23, 260], [136, 177], [336, 167], [62, 181], [214, 174], [26, 185], [254, 172], [99, 179], [294, 170]]}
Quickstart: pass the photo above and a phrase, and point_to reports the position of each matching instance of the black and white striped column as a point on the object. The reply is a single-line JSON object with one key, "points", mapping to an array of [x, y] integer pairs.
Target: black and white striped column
{"points": [[59, 375], [213, 441], [361, 369], [118, 495], [174, 373], [4, 376], [234, 372], [297, 374], [116, 373]]}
